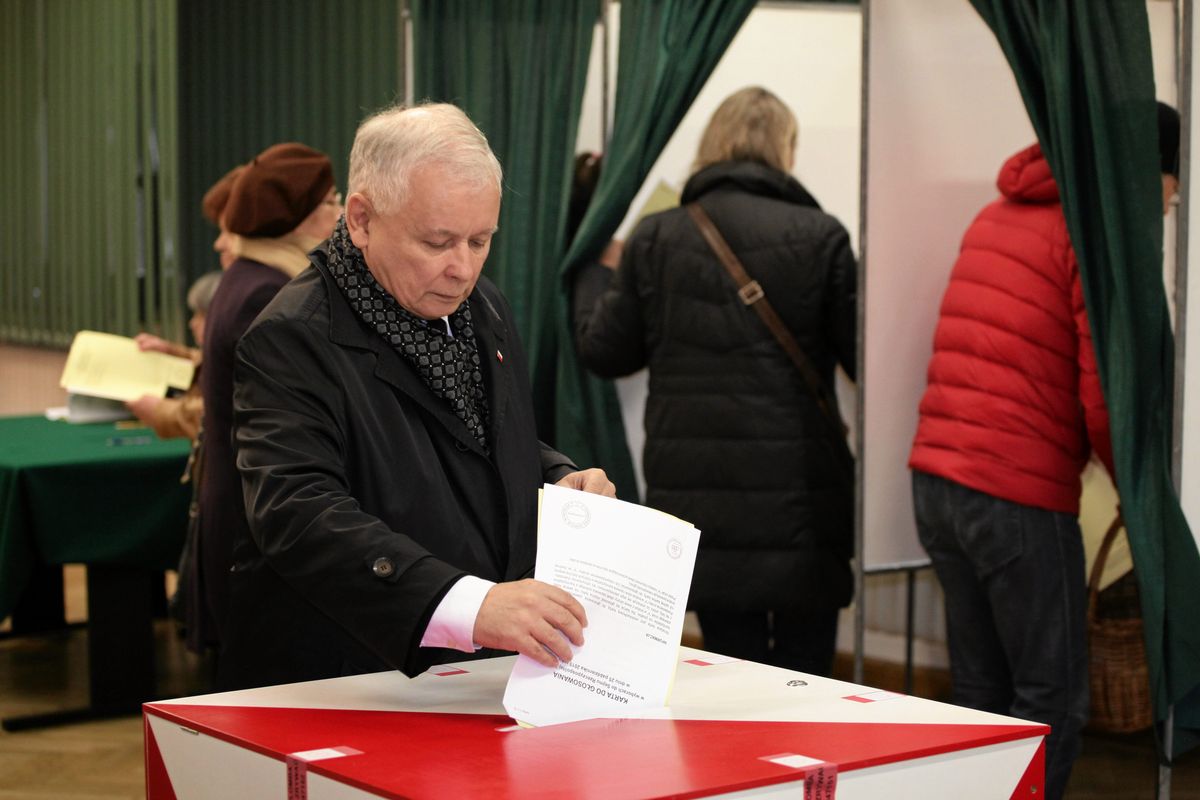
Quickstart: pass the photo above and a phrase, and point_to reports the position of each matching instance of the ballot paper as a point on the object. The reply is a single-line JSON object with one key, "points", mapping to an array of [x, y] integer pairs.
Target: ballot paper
{"points": [[631, 568], [112, 367]]}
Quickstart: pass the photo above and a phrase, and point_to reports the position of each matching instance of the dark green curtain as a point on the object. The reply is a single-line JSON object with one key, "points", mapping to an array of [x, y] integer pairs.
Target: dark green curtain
{"points": [[1085, 73], [253, 74], [667, 50], [518, 69]]}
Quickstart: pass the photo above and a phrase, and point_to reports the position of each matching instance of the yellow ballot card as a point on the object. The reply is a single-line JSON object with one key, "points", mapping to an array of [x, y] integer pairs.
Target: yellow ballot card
{"points": [[631, 568], [112, 367]]}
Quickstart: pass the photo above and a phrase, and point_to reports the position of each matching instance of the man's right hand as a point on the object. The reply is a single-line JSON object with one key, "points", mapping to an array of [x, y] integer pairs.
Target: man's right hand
{"points": [[533, 618]]}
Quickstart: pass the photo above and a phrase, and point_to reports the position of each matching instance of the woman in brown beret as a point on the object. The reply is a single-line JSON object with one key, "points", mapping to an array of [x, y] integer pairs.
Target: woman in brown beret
{"points": [[281, 206], [213, 206]]}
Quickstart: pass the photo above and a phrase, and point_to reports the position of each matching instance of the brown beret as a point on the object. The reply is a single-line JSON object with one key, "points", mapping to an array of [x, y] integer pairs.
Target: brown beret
{"points": [[217, 195], [277, 190]]}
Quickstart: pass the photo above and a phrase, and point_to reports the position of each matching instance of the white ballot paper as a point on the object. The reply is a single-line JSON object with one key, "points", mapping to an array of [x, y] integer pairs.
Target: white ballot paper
{"points": [[631, 569]]}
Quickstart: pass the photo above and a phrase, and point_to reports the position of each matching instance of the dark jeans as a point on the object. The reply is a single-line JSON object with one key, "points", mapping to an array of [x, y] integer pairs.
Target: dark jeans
{"points": [[800, 640], [1016, 610]]}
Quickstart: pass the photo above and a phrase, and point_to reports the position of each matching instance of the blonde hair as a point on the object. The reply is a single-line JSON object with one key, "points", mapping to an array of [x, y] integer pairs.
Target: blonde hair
{"points": [[392, 144], [752, 124]]}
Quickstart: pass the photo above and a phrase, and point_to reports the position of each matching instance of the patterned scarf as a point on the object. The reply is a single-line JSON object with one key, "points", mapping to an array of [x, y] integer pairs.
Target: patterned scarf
{"points": [[448, 365]]}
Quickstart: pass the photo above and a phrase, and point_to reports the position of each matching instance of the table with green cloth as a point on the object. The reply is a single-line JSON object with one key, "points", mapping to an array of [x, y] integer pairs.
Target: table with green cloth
{"points": [[105, 496]]}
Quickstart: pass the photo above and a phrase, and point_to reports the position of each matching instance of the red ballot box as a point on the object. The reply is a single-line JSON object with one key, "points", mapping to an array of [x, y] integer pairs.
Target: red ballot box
{"points": [[731, 727]]}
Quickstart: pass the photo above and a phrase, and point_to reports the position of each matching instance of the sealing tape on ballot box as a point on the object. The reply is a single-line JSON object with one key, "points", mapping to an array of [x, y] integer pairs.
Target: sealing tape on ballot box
{"points": [[297, 768], [820, 782], [820, 777]]}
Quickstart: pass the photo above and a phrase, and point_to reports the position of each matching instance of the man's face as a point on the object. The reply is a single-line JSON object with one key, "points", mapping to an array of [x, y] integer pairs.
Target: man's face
{"points": [[428, 252]]}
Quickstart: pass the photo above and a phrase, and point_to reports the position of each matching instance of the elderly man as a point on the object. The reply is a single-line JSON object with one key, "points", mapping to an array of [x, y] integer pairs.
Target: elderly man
{"points": [[385, 434]]}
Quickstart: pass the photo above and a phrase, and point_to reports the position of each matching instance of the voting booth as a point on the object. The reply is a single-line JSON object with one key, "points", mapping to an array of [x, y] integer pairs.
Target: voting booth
{"points": [[732, 728]]}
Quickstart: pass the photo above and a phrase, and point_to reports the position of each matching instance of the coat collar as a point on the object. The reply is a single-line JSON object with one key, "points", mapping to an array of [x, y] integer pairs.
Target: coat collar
{"points": [[348, 330], [747, 176]]}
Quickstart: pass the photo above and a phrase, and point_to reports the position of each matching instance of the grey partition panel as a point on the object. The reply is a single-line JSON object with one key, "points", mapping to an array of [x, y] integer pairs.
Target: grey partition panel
{"points": [[942, 114]]}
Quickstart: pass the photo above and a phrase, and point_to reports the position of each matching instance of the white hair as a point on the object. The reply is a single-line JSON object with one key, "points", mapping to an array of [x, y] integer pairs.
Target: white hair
{"points": [[200, 295], [392, 144]]}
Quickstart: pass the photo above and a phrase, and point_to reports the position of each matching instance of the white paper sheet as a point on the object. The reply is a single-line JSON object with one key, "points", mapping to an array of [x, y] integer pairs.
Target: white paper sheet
{"points": [[631, 568]]}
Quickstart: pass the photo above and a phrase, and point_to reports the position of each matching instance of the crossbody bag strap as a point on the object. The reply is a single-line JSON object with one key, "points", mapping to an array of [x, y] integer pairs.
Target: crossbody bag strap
{"points": [[751, 294]]}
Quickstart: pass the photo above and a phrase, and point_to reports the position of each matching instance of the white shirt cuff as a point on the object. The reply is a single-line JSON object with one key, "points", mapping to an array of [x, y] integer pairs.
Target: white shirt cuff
{"points": [[453, 622]]}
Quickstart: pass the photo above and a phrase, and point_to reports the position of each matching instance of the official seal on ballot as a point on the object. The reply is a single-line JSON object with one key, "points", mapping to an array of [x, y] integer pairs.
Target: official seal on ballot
{"points": [[576, 514]]}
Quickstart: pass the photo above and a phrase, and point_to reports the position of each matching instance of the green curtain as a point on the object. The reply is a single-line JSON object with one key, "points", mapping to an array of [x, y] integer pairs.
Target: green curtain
{"points": [[518, 69], [666, 51], [245, 82], [1085, 73]]}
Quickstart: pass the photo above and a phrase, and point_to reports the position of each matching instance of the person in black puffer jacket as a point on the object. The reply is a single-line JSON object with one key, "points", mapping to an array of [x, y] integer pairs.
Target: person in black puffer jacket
{"points": [[735, 443]]}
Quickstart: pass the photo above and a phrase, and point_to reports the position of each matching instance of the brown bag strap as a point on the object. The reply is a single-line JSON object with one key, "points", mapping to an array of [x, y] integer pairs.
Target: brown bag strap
{"points": [[1098, 565], [751, 294]]}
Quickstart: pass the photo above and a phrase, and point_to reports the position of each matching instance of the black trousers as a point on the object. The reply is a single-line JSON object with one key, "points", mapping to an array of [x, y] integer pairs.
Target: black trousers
{"points": [[801, 640]]}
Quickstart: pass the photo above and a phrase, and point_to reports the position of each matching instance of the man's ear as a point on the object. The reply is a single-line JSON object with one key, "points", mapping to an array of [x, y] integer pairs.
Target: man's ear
{"points": [[359, 214]]}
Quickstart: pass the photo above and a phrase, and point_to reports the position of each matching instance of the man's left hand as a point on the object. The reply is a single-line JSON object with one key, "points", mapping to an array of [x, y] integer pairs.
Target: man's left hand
{"points": [[589, 480]]}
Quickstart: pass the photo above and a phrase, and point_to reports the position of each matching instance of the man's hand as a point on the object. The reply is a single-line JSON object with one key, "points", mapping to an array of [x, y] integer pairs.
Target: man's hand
{"points": [[143, 408], [589, 480], [530, 616]]}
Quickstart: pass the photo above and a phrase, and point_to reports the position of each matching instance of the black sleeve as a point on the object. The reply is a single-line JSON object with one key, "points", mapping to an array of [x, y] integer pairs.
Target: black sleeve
{"points": [[609, 325], [841, 300], [555, 466], [291, 452]]}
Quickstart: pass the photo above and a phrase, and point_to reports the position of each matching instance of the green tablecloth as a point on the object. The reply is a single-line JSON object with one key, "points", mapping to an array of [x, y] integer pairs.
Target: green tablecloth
{"points": [[91, 494]]}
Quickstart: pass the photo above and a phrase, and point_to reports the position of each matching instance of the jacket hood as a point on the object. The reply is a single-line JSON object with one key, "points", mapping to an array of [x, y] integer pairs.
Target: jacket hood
{"points": [[747, 176], [1026, 178]]}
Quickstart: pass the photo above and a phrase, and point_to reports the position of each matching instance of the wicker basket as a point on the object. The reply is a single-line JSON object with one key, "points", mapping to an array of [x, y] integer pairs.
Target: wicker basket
{"points": [[1120, 677]]}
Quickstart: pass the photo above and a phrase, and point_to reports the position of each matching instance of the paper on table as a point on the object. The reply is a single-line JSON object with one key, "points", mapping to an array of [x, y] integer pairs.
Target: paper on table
{"points": [[631, 568], [104, 365]]}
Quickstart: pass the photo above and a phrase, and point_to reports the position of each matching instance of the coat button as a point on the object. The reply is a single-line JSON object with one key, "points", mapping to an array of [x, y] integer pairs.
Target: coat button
{"points": [[462, 446], [383, 567]]}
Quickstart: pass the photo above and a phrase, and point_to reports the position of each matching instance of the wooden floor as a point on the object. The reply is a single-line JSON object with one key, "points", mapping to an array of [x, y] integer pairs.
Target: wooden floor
{"points": [[103, 760]]}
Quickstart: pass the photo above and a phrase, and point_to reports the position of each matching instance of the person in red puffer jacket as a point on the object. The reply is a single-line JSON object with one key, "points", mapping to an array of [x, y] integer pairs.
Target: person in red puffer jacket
{"points": [[1011, 413]]}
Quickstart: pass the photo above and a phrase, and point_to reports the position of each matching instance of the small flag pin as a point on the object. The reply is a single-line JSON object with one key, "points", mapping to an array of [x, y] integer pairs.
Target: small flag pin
{"points": [[500, 356]]}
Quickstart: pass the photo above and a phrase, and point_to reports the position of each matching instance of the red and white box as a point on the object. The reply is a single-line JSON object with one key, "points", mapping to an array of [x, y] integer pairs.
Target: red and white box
{"points": [[731, 727]]}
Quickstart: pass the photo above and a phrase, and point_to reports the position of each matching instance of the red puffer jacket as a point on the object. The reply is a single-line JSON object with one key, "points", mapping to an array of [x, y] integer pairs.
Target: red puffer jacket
{"points": [[1013, 396]]}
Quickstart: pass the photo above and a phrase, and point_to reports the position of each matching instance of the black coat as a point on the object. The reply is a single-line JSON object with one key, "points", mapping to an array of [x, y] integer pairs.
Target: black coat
{"points": [[367, 498], [734, 441]]}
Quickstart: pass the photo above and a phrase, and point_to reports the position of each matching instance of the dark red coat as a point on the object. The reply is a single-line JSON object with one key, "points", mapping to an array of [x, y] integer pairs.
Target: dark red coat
{"points": [[1013, 404]]}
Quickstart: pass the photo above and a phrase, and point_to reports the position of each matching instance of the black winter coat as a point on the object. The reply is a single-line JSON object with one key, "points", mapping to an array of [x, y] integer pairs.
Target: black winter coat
{"points": [[367, 498], [734, 441]]}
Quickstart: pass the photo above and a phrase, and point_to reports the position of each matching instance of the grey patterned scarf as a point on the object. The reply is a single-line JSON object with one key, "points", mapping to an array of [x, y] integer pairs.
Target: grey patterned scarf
{"points": [[448, 365]]}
